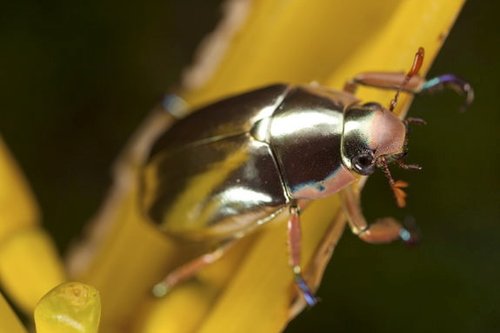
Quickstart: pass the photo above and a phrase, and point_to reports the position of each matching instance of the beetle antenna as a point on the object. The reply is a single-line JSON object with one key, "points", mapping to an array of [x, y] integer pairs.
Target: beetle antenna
{"points": [[405, 166], [415, 68], [413, 120], [397, 186]]}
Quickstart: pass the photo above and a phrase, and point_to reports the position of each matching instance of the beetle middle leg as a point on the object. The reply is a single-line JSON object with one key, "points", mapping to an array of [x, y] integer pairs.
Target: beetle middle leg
{"points": [[189, 269], [383, 230], [294, 247]]}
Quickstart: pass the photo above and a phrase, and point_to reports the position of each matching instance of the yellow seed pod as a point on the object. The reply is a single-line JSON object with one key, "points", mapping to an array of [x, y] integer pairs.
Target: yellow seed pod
{"points": [[70, 307]]}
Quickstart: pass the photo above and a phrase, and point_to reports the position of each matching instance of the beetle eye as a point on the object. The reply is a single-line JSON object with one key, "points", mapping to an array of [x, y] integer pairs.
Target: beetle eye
{"points": [[364, 163]]}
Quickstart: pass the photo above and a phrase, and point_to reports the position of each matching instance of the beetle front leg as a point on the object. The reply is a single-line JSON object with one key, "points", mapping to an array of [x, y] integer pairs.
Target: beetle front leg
{"points": [[383, 230], [385, 80], [415, 84], [294, 247]]}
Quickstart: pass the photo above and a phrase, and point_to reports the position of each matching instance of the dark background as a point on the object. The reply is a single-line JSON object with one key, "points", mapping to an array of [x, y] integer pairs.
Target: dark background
{"points": [[77, 77]]}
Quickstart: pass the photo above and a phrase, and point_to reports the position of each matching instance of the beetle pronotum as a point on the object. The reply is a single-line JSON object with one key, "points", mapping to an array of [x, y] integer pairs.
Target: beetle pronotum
{"points": [[229, 167]]}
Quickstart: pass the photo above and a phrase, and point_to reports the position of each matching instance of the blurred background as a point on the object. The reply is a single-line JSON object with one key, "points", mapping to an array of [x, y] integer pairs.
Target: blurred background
{"points": [[76, 78]]}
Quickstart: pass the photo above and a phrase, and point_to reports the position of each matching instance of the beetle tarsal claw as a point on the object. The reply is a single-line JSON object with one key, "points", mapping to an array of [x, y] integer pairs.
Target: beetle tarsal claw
{"points": [[410, 234], [396, 186], [309, 297], [160, 290], [399, 193], [457, 84]]}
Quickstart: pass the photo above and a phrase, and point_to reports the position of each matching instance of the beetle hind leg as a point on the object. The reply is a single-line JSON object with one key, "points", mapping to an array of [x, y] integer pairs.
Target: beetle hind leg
{"points": [[383, 230], [294, 238], [189, 269]]}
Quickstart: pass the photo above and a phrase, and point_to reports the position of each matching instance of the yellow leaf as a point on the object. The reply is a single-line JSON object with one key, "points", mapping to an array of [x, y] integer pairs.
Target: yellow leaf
{"points": [[29, 267], [18, 209], [29, 264], [8, 320]]}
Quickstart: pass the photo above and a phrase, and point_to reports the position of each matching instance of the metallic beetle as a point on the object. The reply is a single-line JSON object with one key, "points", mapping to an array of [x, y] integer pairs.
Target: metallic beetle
{"points": [[233, 165]]}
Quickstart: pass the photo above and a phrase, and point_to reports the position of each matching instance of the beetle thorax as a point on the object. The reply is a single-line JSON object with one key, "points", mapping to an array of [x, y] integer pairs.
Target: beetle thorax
{"points": [[304, 135]]}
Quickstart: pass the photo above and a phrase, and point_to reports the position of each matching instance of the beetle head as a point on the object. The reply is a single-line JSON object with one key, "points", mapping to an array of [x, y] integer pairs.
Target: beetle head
{"points": [[371, 133], [372, 137]]}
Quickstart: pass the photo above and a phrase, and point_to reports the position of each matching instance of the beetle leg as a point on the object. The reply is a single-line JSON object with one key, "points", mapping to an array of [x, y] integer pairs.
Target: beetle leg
{"points": [[189, 269], [415, 84], [385, 80], [383, 230], [294, 237]]}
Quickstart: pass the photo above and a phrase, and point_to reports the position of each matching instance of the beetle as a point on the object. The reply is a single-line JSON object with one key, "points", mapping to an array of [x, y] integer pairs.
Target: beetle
{"points": [[226, 169]]}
